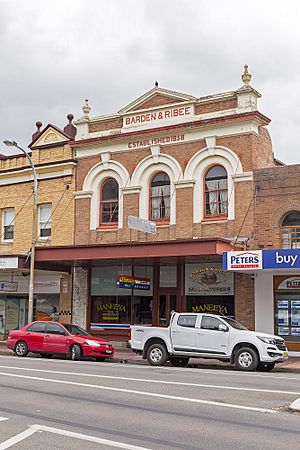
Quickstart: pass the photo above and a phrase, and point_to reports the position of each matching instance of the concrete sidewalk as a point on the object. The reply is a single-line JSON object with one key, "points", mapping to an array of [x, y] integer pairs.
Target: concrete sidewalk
{"points": [[126, 355]]}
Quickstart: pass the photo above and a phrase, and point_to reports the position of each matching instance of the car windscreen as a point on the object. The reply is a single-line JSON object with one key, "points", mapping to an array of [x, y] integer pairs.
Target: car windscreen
{"points": [[75, 330], [234, 324]]}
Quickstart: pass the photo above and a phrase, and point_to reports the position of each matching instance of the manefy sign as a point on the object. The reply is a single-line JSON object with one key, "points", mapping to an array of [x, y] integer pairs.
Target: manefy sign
{"points": [[135, 223], [262, 259], [208, 279], [159, 117], [129, 282]]}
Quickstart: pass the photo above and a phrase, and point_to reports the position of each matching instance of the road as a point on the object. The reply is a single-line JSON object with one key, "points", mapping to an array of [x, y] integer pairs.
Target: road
{"points": [[57, 404]]}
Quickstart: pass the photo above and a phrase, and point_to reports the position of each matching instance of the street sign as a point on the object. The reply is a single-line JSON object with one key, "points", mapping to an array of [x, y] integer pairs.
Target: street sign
{"points": [[135, 223]]}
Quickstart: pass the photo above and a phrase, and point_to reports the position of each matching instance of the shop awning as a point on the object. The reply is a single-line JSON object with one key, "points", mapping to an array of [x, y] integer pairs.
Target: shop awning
{"points": [[179, 248]]}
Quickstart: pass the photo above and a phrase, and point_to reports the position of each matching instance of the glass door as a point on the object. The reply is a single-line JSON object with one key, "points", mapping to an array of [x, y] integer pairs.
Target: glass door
{"points": [[167, 303]]}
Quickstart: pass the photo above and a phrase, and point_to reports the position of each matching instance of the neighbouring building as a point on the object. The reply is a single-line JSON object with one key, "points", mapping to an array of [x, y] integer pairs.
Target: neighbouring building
{"points": [[55, 166], [187, 164]]}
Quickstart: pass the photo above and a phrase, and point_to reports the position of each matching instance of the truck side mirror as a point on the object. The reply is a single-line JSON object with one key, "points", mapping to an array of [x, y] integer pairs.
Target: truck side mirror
{"points": [[223, 327]]}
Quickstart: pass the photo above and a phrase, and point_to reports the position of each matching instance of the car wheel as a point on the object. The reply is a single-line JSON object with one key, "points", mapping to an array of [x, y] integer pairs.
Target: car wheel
{"points": [[157, 355], [100, 359], [246, 359], [179, 362], [21, 348], [46, 355], [265, 367], [75, 352]]}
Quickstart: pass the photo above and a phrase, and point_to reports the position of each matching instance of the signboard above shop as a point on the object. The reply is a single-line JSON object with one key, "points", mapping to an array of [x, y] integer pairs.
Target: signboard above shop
{"points": [[208, 279], [9, 262], [261, 259]]}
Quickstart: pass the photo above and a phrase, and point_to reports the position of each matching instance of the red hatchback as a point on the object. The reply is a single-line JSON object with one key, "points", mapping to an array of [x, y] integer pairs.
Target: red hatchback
{"points": [[48, 338]]}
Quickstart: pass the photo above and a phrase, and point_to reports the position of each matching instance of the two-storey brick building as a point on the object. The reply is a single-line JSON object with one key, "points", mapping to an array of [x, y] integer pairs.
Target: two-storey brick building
{"points": [[187, 164], [55, 166]]}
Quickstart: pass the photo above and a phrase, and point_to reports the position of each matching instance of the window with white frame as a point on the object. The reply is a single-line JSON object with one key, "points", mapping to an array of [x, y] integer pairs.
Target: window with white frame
{"points": [[8, 216], [45, 220]]}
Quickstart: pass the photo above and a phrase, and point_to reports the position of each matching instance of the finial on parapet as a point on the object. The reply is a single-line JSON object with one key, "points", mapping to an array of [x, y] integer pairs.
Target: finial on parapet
{"points": [[86, 109], [38, 130], [246, 77], [156, 84]]}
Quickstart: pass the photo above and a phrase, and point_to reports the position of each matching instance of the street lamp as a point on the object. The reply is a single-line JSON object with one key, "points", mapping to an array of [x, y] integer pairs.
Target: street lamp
{"points": [[9, 143]]}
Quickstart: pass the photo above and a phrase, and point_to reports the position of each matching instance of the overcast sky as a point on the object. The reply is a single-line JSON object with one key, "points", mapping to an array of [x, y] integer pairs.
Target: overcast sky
{"points": [[53, 54]]}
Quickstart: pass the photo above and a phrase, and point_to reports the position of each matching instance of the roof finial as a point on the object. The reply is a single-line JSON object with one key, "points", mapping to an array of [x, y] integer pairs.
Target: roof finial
{"points": [[86, 109], [156, 84], [246, 77]]}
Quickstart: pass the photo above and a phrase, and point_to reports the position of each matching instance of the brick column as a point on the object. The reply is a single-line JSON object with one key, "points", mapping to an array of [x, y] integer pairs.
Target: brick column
{"points": [[244, 299], [80, 296]]}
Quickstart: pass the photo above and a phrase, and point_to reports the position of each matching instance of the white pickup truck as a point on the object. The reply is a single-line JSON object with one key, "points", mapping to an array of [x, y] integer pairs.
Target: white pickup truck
{"points": [[207, 336]]}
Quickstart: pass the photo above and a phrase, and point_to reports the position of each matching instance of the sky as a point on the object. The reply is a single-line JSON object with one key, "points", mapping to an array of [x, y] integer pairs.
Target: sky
{"points": [[54, 54]]}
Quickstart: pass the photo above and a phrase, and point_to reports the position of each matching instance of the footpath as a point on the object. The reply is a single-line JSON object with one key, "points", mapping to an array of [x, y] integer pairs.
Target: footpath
{"points": [[127, 356]]}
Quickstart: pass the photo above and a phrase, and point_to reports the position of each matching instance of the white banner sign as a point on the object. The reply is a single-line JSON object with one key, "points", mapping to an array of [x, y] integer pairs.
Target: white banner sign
{"points": [[208, 279], [9, 262], [135, 223]]}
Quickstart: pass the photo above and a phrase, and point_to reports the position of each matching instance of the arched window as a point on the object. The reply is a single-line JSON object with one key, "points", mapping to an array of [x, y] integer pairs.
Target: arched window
{"points": [[290, 230], [160, 198], [216, 192], [109, 203]]}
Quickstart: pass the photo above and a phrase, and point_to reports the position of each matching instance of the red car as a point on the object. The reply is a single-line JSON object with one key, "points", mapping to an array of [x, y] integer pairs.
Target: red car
{"points": [[48, 338]]}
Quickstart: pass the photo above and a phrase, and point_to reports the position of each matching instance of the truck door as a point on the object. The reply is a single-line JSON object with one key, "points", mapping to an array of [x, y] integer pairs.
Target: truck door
{"points": [[183, 333], [209, 339]]}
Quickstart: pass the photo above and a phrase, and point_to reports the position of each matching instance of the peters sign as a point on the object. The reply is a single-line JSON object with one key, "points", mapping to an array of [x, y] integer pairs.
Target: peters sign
{"points": [[262, 259]]}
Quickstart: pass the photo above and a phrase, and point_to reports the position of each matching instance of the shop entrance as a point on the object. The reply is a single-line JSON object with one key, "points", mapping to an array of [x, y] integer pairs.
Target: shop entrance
{"points": [[166, 304]]}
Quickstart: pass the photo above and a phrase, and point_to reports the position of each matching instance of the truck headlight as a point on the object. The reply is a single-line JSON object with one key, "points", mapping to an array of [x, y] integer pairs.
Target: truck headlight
{"points": [[267, 340]]}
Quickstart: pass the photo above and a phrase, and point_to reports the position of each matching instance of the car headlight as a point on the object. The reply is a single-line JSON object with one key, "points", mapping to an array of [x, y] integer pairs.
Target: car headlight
{"points": [[267, 340], [92, 343]]}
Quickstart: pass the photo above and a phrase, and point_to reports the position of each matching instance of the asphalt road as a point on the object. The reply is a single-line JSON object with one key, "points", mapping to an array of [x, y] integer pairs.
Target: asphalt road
{"points": [[55, 404]]}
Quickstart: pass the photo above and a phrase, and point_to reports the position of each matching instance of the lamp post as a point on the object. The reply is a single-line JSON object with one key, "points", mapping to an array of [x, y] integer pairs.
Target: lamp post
{"points": [[10, 143]]}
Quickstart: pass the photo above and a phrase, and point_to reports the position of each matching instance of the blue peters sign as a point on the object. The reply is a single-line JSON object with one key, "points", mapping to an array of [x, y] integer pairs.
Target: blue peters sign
{"points": [[262, 259]]}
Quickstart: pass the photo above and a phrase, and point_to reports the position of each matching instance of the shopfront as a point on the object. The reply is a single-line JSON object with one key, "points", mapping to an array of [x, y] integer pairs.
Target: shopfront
{"points": [[119, 285], [276, 275], [14, 288]]}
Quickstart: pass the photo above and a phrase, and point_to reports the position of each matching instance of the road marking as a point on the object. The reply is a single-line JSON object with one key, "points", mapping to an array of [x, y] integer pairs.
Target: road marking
{"points": [[3, 418], [131, 391], [38, 428], [144, 380], [116, 366]]}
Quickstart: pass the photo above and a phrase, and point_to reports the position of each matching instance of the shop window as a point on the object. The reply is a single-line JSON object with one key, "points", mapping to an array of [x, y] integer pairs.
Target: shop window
{"points": [[8, 217], [45, 220], [216, 193], [290, 230], [287, 315], [114, 305], [160, 198], [109, 203]]}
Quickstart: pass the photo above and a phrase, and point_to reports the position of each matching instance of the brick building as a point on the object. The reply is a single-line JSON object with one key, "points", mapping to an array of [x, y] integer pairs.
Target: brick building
{"points": [[55, 166], [187, 164]]}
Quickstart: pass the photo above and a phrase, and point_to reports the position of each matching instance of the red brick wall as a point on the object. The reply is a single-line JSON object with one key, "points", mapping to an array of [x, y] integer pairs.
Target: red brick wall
{"points": [[157, 100], [219, 105], [277, 193], [244, 300], [104, 125]]}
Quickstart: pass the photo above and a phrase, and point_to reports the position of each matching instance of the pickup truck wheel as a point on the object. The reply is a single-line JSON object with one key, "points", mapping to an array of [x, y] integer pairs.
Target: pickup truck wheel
{"points": [[179, 362], [246, 359], [157, 355], [265, 367]]}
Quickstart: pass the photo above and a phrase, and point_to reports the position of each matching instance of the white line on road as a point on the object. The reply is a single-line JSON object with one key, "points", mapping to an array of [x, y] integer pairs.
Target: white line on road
{"points": [[115, 366], [3, 418], [38, 428], [131, 391], [144, 380]]}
